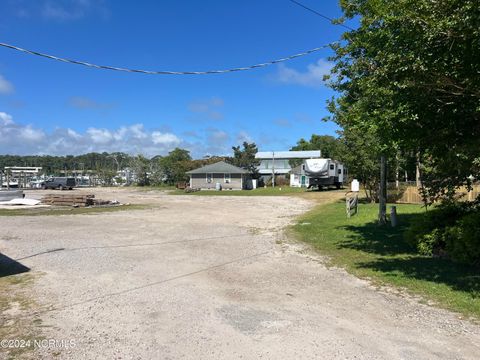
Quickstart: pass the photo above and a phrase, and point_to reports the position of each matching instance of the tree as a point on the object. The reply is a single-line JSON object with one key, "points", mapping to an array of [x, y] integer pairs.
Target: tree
{"points": [[140, 166], [362, 160], [410, 76], [245, 158], [175, 165], [330, 146]]}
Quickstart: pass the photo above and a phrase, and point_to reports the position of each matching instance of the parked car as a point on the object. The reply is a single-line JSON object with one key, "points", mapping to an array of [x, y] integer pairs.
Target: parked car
{"points": [[61, 183]]}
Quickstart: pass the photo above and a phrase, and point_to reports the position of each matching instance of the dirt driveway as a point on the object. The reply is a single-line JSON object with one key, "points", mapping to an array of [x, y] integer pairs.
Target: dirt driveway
{"points": [[195, 277]]}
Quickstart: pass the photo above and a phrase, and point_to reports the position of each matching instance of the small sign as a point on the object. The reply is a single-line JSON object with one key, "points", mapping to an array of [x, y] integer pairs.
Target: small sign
{"points": [[355, 186]]}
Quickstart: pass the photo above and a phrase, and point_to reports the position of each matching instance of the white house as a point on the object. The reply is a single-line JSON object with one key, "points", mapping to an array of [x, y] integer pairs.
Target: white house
{"points": [[278, 162], [298, 177]]}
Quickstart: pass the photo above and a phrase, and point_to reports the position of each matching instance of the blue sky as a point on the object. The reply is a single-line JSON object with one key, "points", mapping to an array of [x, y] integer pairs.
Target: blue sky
{"points": [[57, 108]]}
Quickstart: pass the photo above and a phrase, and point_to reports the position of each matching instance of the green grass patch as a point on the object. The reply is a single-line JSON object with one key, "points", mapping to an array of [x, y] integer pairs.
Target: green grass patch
{"points": [[154, 188], [63, 210], [380, 254], [269, 191]]}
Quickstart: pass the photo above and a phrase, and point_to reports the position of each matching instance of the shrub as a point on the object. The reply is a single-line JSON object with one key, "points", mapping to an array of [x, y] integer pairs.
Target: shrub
{"points": [[279, 181], [463, 240], [425, 231], [431, 243], [451, 229]]}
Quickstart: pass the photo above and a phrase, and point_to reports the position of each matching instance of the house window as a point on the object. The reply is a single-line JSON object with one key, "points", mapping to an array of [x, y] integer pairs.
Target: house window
{"points": [[227, 178], [209, 178], [332, 167]]}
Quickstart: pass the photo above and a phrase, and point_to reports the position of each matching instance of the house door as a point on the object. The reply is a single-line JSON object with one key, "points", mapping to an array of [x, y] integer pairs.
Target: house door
{"points": [[303, 181]]}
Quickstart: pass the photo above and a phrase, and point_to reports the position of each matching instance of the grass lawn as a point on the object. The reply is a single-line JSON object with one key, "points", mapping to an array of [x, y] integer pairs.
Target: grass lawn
{"points": [[63, 210], [269, 191], [379, 253], [154, 188]]}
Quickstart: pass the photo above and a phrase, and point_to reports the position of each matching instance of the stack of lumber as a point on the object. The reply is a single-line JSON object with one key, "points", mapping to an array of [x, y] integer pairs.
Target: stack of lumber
{"points": [[69, 200]]}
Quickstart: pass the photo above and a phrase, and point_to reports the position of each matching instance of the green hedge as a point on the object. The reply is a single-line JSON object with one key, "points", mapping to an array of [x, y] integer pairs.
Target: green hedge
{"points": [[450, 230]]}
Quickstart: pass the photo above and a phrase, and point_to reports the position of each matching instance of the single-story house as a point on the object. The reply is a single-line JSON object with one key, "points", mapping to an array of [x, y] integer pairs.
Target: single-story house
{"points": [[298, 177], [228, 176]]}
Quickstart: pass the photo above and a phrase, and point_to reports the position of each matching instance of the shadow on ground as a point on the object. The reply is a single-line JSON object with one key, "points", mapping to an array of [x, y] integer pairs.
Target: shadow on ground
{"points": [[9, 266], [393, 256], [381, 240]]}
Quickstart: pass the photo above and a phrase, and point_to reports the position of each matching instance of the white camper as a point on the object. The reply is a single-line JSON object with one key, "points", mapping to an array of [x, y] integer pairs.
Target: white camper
{"points": [[324, 172]]}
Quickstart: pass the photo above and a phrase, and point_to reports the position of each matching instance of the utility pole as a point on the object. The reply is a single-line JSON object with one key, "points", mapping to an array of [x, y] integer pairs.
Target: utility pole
{"points": [[418, 179], [382, 211], [273, 169]]}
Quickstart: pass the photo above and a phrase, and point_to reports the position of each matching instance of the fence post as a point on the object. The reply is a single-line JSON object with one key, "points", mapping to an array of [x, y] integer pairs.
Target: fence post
{"points": [[393, 216]]}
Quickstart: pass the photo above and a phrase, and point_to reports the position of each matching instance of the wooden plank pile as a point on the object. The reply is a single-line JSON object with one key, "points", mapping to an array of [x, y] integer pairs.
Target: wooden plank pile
{"points": [[69, 200]]}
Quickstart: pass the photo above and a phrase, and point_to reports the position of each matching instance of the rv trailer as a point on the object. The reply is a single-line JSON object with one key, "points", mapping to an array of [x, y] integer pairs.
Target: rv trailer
{"points": [[324, 173]]}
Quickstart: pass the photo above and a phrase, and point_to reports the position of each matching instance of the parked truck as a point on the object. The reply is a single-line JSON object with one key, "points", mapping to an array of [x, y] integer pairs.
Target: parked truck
{"points": [[61, 183], [324, 173]]}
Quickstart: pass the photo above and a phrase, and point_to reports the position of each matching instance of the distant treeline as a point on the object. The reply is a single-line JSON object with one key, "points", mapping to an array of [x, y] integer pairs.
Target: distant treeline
{"points": [[157, 170], [55, 164]]}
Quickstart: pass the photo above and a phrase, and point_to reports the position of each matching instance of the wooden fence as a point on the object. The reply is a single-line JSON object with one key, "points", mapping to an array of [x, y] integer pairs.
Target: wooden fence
{"points": [[411, 195]]}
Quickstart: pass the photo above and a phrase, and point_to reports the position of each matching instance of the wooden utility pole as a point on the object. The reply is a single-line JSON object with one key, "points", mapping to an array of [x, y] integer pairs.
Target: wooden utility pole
{"points": [[273, 169], [382, 196], [418, 179]]}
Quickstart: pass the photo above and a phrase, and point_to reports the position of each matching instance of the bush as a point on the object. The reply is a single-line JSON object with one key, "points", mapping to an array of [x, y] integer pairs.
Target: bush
{"points": [[431, 243], [451, 229], [462, 241], [279, 181], [426, 231]]}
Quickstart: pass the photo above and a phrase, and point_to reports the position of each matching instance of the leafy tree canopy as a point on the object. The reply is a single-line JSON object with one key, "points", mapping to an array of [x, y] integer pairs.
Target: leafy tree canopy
{"points": [[331, 147], [245, 157], [410, 77]]}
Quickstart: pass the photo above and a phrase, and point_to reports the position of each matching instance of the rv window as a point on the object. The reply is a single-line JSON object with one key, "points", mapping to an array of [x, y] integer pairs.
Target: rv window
{"points": [[339, 171], [332, 167]]}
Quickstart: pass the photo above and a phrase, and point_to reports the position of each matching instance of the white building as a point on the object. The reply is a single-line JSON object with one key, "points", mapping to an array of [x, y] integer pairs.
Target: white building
{"points": [[298, 177], [278, 162]]}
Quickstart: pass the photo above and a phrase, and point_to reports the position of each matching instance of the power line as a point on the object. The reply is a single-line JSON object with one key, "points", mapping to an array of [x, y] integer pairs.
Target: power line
{"points": [[130, 245], [332, 21], [141, 287], [150, 72]]}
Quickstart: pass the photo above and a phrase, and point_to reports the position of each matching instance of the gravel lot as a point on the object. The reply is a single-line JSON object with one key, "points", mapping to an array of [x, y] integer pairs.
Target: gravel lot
{"points": [[194, 277]]}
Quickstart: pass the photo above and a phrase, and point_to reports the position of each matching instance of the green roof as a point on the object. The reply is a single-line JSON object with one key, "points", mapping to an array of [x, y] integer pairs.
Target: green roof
{"points": [[220, 167]]}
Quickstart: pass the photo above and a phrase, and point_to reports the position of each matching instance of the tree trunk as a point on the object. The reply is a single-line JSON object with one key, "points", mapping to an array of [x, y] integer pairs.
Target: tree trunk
{"points": [[382, 211]]}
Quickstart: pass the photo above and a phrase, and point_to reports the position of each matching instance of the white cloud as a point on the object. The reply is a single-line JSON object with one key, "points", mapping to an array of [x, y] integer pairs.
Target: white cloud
{"points": [[6, 119], [100, 136], [6, 86], [138, 132], [16, 138], [313, 76], [73, 134], [164, 138], [28, 133]]}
